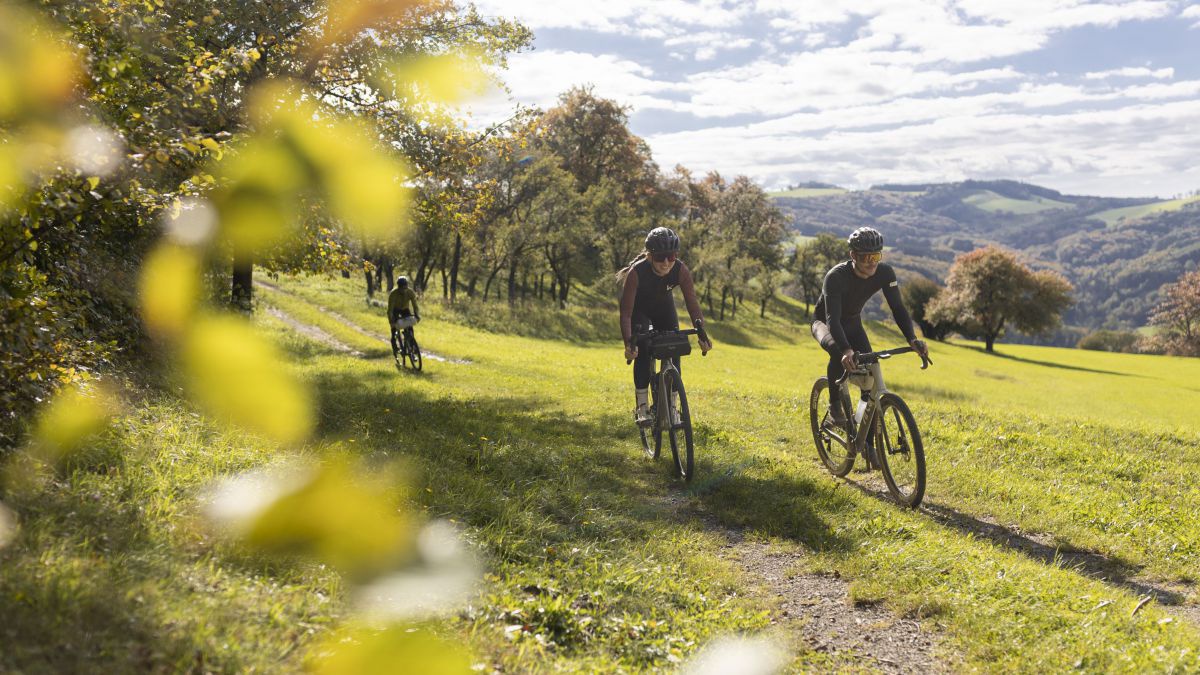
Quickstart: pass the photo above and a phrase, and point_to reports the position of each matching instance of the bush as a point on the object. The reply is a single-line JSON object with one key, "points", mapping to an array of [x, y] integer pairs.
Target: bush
{"points": [[1109, 341]]}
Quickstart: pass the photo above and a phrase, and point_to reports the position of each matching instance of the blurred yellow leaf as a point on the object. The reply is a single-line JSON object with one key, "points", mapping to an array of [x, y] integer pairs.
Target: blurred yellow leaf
{"points": [[258, 198], [345, 517], [170, 290], [236, 374], [302, 152], [347, 18], [395, 650], [8, 526], [38, 69], [442, 78], [72, 417]]}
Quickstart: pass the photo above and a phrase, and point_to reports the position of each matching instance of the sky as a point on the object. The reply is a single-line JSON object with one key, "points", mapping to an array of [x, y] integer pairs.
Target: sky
{"points": [[1099, 98]]}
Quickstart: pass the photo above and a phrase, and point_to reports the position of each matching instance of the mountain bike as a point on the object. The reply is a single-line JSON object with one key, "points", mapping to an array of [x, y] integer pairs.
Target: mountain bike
{"points": [[404, 344], [882, 431], [669, 410]]}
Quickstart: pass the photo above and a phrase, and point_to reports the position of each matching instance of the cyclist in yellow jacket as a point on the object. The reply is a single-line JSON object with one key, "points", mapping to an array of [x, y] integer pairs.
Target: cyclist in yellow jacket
{"points": [[399, 301]]}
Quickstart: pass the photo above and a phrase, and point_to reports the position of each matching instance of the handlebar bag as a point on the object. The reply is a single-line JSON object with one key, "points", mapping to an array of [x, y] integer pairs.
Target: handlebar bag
{"points": [[670, 345]]}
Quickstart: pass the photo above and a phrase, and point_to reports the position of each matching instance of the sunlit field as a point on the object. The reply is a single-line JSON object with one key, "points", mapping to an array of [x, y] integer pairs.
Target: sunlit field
{"points": [[1063, 489]]}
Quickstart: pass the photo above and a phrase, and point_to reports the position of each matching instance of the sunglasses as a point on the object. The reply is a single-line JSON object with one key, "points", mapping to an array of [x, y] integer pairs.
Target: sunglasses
{"points": [[869, 258], [663, 257]]}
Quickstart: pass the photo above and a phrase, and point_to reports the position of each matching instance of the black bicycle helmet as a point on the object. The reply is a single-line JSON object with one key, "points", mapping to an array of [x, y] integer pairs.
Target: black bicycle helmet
{"points": [[866, 240], [662, 240], [402, 281]]}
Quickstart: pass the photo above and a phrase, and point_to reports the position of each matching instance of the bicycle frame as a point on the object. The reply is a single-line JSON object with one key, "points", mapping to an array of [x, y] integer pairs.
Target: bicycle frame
{"points": [[870, 379], [663, 412]]}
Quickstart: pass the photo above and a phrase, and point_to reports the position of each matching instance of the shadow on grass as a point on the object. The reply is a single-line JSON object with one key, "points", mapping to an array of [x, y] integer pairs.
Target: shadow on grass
{"points": [[1048, 364], [1108, 570]]}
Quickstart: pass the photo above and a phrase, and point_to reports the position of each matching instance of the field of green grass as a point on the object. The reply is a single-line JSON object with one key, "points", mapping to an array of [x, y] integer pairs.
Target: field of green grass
{"points": [[990, 201], [1113, 217], [1064, 489]]}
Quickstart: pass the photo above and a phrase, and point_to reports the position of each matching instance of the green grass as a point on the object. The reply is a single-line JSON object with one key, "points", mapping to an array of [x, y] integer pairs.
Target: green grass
{"points": [[992, 202], [1113, 217], [807, 193], [1048, 468]]}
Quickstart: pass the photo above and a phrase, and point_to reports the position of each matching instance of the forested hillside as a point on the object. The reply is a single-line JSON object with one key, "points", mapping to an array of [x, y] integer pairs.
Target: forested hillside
{"points": [[1117, 252]]}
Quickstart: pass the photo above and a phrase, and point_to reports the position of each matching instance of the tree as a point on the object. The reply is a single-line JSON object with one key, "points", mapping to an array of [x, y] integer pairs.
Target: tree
{"points": [[1178, 317], [918, 293], [990, 288], [812, 261]]}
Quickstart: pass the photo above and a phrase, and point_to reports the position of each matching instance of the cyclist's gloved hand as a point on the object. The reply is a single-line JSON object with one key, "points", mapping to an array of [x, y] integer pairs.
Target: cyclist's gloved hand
{"points": [[417, 317], [706, 344], [920, 347], [631, 352], [848, 360]]}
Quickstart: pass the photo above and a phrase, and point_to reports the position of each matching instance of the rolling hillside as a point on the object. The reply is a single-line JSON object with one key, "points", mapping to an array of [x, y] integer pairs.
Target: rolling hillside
{"points": [[1058, 531], [1117, 252]]}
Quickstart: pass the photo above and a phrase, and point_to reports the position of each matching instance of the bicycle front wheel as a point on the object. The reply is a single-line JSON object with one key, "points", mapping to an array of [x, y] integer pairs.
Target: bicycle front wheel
{"points": [[898, 447], [832, 440], [679, 426], [414, 353]]}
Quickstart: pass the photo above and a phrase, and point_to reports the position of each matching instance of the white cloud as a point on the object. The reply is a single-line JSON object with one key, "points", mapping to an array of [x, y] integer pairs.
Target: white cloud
{"points": [[1160, 74], [878, 90]]}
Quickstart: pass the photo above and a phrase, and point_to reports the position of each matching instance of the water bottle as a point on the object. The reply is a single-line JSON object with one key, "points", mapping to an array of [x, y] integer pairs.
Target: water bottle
{"points": [[859, 411]]}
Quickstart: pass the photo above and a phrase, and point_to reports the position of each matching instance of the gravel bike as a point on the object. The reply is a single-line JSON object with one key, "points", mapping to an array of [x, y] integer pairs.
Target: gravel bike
{"points": [[669, 407], [404, 344], [882, 430]]}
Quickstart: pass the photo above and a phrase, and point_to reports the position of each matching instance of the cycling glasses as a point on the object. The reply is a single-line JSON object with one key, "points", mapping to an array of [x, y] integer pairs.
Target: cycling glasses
{"points": [[869, 258], [664, 257]]}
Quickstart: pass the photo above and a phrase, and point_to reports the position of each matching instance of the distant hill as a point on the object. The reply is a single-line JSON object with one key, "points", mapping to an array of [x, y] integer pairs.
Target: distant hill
{"points": [[1117, 252]]}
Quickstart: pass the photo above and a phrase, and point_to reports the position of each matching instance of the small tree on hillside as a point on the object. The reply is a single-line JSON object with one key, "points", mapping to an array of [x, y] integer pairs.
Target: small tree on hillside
{"points": [[918, 293], [990, 288], [812, 261], [1178, 317]]}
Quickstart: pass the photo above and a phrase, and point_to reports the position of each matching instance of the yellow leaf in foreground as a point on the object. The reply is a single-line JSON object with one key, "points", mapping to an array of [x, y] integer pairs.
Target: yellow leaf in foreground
{"points": [[170, 290], [366, 651], [347, 519], [443, 78], [72, 417], [236, 374]]}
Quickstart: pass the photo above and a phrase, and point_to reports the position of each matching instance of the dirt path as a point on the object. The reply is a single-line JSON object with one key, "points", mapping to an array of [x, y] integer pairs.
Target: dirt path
{"points": [[818, 606], [313, 332], [351, 325]]}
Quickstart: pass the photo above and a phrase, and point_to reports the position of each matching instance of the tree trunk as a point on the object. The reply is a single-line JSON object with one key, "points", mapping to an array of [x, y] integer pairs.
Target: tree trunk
{"points": [[471, 288], [454, 266], [708, 295], [724, 296], [512, 281], [487, 287], [762, 312], [242, 292], [563, 288], [989, 341], [445, 283], [553, 287], [370, 279]]}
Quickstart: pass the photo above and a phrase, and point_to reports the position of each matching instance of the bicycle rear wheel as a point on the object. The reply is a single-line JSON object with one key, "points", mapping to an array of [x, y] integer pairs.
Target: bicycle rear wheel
{"points": [[679, 429], [898, 447], [414, 353], [832, 441]]}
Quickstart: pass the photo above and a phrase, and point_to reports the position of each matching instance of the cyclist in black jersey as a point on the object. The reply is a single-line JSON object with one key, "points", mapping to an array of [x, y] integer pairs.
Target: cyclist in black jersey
{"points": [[646, 301], [837, 317]]}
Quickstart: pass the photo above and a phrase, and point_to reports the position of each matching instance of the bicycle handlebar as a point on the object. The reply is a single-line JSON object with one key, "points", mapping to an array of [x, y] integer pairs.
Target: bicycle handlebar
{"points": [[643, 335], [867, 358]]}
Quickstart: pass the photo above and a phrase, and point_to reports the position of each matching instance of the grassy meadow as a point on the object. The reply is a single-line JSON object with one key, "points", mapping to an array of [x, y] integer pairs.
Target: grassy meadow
{"points": [[1064, 488]]}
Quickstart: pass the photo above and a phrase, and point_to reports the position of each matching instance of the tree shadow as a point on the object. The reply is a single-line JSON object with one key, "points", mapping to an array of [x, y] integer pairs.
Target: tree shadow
{"points": [[1112, 571], [1048, 364]]}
